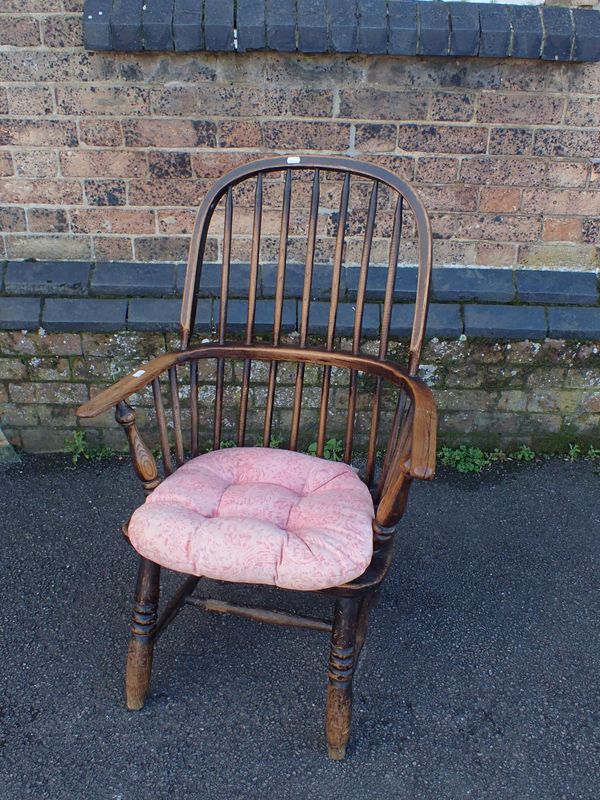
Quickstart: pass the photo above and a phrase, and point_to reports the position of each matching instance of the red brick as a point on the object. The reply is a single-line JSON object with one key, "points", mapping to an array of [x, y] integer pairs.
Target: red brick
{"points": [[298, 70], [177, 221], [47, 220], [566, 173], [19, 32], [449, 197], [591, 230], [36, 163], [214, 163], [112, 248], [170, 133], [562, 230], [112, 220], [30, 100], [442, 139], [240, 133], [12, 219], [500, 199], [31, 6], [168, 192], [103, 163], [6, 164], [42, 192], [295, 136], [374, 138], [447, 252], [493, 227], [583, 112], [561, 142], [373, 103], [501, 171], [511, 141], [530, 76], [38, 133], [298, 102], [105, 192], [451, 107], [165, 248], [495, 254], [62, 31], [101, 132], [111, 101], [561, 201], [584, 78], [170, 165], [531, 109], [209, 101], [403, 166], [18, 65]]}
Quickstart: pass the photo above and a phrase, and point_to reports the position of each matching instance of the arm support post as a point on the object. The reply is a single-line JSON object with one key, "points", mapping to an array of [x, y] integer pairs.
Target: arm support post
{"points": [[141, 457]]}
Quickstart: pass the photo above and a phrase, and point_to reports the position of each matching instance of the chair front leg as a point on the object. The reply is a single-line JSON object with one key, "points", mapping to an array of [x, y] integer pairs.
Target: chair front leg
{"points": [[141, 641], [341, 670], [364, 609]]}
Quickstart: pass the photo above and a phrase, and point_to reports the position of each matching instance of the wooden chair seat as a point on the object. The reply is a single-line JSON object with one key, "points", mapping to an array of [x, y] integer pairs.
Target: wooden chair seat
{"points": [[259, 515]]}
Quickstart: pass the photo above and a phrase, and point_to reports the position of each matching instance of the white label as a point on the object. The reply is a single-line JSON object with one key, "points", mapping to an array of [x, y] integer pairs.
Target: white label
{"points": [[139, 373], [293, 160]]}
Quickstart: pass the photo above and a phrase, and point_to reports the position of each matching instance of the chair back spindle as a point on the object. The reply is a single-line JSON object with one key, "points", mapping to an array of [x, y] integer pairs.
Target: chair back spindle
{"points": [[338, 218]]}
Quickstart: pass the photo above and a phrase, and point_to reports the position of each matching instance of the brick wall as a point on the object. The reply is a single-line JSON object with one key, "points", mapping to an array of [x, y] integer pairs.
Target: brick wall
{"points": [[497, 394], [105, 156]]}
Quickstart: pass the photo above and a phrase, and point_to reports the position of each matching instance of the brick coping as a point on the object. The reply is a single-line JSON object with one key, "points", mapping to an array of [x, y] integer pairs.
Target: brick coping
{"points": [[392, 27], [112, 296]]}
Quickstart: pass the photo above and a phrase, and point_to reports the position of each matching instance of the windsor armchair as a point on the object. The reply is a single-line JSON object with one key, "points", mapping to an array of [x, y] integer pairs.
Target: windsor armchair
{"points": [[258, 514]]}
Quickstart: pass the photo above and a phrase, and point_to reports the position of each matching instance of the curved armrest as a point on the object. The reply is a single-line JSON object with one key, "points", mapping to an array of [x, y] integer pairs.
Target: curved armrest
{"points": [[424, 423], [424, 430], [128, 385]]}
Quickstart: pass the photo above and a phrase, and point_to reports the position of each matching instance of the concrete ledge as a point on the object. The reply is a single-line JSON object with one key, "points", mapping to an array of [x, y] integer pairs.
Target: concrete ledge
{"points": [[391, 27], [114, 296]]}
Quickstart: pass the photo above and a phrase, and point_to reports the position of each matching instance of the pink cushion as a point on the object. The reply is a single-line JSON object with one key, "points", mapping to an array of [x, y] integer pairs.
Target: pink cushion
{"points": [[259, 515]]}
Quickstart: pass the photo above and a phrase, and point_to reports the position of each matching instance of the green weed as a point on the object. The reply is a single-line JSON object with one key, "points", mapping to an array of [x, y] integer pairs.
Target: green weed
{"points": [[78, 446], [523, 453], [464, 458], [333, 449]]}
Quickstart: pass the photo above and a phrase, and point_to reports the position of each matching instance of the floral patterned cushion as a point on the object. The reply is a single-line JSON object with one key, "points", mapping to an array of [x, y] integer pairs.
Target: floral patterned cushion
{"points": [[259, 515]]}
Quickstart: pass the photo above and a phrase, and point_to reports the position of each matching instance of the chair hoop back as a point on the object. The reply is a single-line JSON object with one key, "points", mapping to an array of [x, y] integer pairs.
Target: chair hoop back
{"points": [[259, 171]]}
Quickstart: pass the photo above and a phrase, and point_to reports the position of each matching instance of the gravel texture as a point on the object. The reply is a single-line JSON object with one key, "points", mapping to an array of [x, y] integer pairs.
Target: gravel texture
{"points": [[479, 678]]}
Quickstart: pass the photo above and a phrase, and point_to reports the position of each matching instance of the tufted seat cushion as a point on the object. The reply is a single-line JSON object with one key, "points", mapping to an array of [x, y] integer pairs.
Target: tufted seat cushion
{"points": [[259, 515]]}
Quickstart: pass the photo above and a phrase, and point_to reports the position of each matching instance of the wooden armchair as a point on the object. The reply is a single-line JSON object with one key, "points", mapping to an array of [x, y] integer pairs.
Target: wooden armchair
{"points": [[274, 516]]}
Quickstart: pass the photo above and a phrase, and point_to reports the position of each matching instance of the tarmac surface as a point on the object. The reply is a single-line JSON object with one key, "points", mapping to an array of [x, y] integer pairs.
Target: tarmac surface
{"points": [[479, 678]]}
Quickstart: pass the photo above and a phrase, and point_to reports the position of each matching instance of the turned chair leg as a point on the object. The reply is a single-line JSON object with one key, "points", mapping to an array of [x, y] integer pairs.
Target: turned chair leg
{"points": [[341, 670], [141, 641], [362, 625]]}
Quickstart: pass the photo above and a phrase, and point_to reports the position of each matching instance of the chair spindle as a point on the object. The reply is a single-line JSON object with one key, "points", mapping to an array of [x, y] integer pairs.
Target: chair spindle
{"points": [[306, 293], [358, 318], [279, 286], [161, 421], [194, 407], [335, 294], [254, 264], [176, 414]]}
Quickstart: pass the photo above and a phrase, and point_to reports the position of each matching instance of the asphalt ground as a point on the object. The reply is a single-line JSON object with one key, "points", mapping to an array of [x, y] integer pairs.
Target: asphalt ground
{"points": [[479, 678]]}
